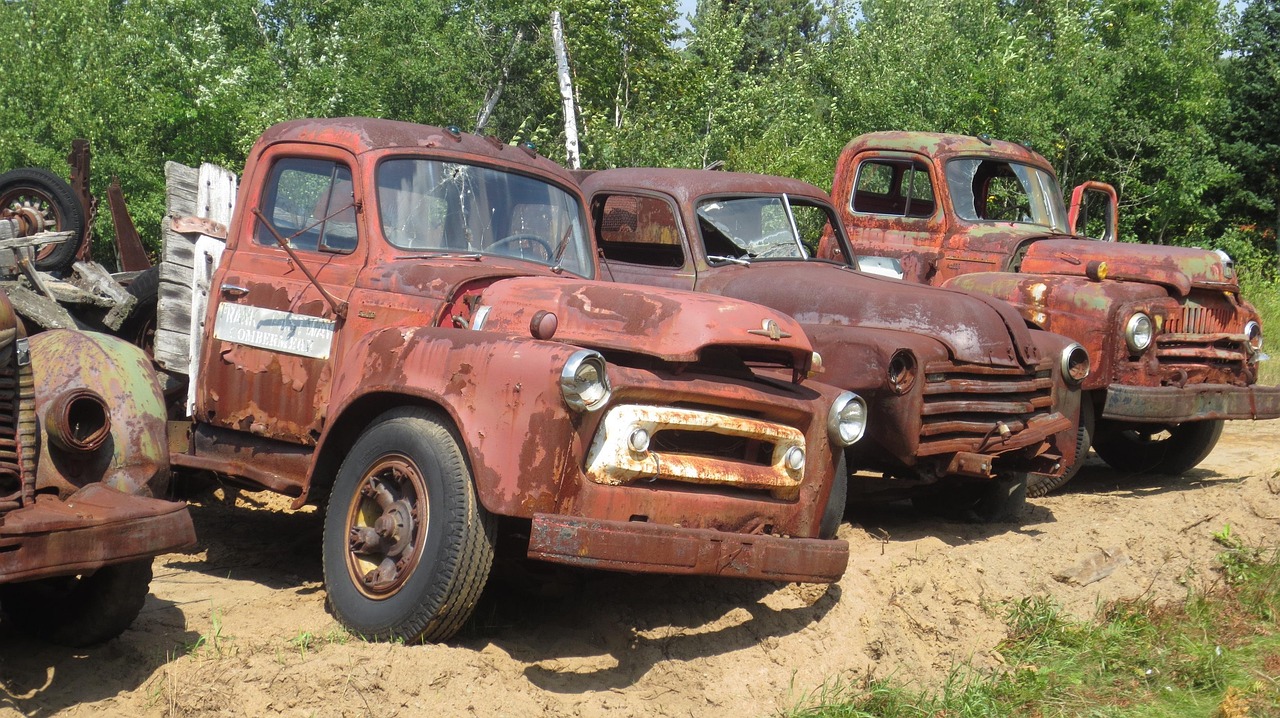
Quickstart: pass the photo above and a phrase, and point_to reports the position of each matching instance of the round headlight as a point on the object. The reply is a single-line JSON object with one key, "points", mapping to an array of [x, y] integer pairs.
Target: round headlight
{"points": [[1228, 264], [1075, 364], [1138, 332], [1253, 331], [583, 381], [848, 419], [902, 371]]}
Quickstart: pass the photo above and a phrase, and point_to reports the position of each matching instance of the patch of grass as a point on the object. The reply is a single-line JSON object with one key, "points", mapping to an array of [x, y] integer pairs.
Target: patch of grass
{"points": [[1215, 654]]}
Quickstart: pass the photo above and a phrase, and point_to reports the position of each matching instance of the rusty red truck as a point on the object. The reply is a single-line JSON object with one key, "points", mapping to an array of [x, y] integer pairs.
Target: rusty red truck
{"points": [[403, 328], [967, 404], [1173, 345], [84, 465]]}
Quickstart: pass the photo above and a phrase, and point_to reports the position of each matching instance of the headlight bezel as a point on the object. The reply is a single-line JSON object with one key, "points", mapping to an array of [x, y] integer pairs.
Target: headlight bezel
{"points": [[1253, 334], [1074, 355], [1131, 337], [575, 392], [836, 419]]}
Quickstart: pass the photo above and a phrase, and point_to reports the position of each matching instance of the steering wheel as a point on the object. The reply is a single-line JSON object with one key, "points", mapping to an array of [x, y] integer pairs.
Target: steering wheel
{"points": [[522, 237]]}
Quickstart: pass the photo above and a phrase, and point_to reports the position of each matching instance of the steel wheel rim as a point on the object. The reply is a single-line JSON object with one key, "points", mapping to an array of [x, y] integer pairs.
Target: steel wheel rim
{"points": [[386, 526], [30, 197]]}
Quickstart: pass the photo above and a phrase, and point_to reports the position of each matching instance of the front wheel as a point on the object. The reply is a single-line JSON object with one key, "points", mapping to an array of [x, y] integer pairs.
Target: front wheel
{"points": [[80, 610], [1041, 484], [998, 500], [1156, 449], [407, 545]]}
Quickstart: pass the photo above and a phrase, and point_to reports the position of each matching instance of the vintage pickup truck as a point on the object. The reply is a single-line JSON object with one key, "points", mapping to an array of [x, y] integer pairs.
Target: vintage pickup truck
{"points": [[966, 402], [403, 327], [1173, 345], [83, 464]]}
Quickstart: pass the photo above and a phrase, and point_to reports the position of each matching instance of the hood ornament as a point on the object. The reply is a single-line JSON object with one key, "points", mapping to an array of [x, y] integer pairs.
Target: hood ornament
{"points": [[770, 328]]}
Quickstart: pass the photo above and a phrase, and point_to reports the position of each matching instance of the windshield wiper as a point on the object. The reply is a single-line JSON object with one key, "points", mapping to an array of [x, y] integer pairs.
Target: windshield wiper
{"points": [[731, 260]]}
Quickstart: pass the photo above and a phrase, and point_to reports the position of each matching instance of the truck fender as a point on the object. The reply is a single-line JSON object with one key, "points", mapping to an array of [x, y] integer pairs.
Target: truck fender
{"points": [[100, 415], [501, 393]]}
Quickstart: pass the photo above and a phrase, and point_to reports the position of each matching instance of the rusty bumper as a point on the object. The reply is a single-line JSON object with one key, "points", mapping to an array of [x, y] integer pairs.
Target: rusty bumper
{"points": [[95, 527], [651, 548], [1200, 401]]}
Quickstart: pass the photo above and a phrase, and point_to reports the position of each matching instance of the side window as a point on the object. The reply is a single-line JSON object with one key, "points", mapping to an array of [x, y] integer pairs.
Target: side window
{"points": [[891, 186], [812, 222], [639, 230], [311, 203]]}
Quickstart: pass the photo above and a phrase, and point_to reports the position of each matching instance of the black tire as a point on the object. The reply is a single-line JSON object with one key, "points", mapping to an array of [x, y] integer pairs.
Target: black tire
{"points": [[53, 199], [1041, 484], [436, 551], [1155, 449], [80, 610], [998, 500], [837, 501], [139, 329]]}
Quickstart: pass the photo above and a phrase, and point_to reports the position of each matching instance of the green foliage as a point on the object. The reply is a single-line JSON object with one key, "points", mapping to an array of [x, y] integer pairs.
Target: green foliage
{"points": [[1212, 655], [1139, 93]]}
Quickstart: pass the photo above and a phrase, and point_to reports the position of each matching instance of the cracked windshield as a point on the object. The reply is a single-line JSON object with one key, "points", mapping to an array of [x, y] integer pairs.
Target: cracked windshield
{"points": [[453, 209], [984, 190], [760, 228]]}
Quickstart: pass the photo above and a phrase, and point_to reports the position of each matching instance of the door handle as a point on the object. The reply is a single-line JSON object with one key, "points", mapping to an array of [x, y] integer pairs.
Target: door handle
{"points": [[234, 291]]}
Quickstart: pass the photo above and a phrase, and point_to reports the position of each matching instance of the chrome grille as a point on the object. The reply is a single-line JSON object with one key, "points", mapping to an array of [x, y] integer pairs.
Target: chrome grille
{"points": [[17, 429], [964, 406]]}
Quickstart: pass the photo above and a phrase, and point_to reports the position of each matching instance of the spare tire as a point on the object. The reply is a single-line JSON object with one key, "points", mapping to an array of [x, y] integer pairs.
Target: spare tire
{"points": [[54, 200]]}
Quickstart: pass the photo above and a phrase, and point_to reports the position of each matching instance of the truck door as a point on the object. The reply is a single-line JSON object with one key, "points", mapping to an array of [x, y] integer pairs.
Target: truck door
{"points": [[893, 210], [268, 363]]}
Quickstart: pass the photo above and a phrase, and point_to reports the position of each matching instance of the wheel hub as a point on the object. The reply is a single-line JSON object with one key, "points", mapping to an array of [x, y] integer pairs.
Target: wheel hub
{"points": [[386, 524]]}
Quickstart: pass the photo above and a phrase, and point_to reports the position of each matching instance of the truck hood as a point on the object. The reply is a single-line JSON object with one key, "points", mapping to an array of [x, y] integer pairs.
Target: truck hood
{"points": [[669, 324], [1178, 268], [976, 329]]}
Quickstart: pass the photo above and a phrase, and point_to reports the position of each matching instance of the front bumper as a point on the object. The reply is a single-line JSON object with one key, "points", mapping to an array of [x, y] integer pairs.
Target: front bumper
{"points": [[1169, 404], [643, 547], [95, 527]]}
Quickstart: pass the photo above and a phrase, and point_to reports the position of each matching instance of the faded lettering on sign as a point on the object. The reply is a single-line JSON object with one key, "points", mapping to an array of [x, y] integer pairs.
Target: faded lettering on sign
{"points": [[274, 330]]}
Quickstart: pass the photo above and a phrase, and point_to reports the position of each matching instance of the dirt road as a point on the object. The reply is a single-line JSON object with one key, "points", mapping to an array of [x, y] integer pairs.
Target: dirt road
{"points": [[239, 628]]}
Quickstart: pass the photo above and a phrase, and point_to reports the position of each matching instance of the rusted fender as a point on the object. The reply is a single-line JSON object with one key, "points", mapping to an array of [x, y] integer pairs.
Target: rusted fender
{"points": [[669, 324], [134, 457], [818, 293], [1076, 307], [1177, 268], [502, 393]]}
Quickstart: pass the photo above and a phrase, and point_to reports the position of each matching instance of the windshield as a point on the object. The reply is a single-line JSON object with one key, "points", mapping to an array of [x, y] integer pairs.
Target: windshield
{"points": [[761, 227], [434, 206], [987, 190]]}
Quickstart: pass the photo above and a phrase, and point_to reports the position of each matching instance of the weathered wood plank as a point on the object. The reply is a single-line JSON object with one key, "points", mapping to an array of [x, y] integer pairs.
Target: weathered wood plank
{"points": [[177, 253], [216, 202]]}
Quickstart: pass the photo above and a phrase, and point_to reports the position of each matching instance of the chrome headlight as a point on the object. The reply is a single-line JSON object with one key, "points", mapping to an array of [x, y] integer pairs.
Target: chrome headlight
{"points": [[1138, 332], [1075, 364], [847, 420], [1228, 264], [1253, 331], [583, 381]]}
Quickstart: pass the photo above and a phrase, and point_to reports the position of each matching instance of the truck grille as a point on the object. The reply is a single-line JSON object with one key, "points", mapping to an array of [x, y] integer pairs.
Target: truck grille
{"points": [[1205, 335], [1203, 315], [17, 430], [964, 407]]}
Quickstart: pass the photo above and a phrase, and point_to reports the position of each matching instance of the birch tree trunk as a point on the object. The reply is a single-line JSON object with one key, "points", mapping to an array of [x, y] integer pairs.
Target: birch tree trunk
{"points": [[566, 92]]}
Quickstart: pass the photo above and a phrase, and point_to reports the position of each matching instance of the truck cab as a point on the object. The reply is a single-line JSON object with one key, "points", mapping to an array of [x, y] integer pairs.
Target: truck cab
{"points": [[1174, 347], [404, 326], [968, 405]]}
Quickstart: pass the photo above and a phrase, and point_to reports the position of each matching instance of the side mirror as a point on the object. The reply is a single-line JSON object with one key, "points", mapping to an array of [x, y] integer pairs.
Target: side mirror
{"points": [[883, 266], [1094, 211]]}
